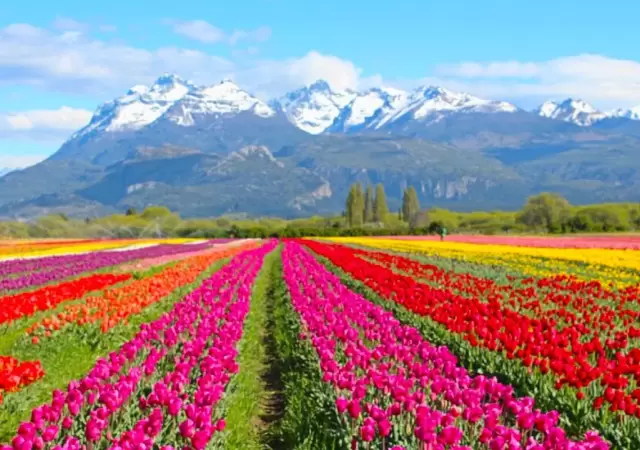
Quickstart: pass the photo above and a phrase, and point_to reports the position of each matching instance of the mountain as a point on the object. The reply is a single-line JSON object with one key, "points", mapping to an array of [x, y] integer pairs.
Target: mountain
{"points": [[215, 119], [632, 113], [575, 111], [314, 108], [211, 150], [385, 109], [4, 171]]}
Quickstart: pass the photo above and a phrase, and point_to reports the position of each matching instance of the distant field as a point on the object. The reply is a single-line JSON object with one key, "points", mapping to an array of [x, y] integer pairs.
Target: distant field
{"points": [[629, 241]]}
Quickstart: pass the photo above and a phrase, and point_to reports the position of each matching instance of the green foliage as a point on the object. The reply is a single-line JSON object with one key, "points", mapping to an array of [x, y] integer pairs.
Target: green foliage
{"points": [[380, 208], [547, 211], [410, 204], [355, 206], [368, 204]]}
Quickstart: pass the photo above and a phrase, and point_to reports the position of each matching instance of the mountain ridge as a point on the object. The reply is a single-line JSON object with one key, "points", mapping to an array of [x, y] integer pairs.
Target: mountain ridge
{"points": [[211, 150]]}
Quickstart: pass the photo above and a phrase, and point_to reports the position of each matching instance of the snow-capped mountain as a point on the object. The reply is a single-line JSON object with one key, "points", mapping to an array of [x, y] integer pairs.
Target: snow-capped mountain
{"points": [[632, 113], [382, 107], [571, 110], [4, 171], [314, 108], [177, 100]]}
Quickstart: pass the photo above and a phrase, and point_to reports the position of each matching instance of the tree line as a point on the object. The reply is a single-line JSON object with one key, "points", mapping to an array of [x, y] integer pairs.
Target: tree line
{"points": [[366, 213]]}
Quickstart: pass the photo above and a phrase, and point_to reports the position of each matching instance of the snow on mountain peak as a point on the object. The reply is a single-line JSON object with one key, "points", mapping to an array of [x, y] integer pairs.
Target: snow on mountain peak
{"points": [[631, 113], [315, 107], [575, 111], [433, 103], [223, 98], [177, 99], [138, 89]]}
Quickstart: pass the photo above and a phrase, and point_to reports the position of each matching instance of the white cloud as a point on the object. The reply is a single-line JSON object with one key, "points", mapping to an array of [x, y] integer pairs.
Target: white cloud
{"points": [[19, 161], [43, 124], [269, 77], [199, 30], [74, 63], [607, 82], [258, 35]]}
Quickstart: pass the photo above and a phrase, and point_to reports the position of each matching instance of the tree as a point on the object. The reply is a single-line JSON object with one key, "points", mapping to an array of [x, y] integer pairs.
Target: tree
{"points": [[156, 212], [368, 204], [349, 207], [131, 212], [547, 211], [357, 212], [380, 209], [410, 204]]}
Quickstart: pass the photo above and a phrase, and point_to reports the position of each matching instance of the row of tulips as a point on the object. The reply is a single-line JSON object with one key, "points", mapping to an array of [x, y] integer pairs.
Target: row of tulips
{"points": [[609, 370], [116, 304], [147, 263], [603, 242], [17, 306], [46, 270], [161, 387], [588, 306], [618, 267], [395, 389], [42, 249], [14, 374]]}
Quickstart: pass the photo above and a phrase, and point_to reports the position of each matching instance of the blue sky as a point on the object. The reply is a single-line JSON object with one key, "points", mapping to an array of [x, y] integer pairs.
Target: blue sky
{"points": [[59, 60]]}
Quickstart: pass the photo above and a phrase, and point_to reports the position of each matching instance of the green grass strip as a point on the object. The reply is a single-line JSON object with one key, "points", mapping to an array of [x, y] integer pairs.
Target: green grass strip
{"points": [[306, 417], [243, 404]]}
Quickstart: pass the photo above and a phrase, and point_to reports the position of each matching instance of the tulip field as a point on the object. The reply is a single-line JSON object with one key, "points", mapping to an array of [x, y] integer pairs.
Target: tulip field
{"points": [[472, 343]]}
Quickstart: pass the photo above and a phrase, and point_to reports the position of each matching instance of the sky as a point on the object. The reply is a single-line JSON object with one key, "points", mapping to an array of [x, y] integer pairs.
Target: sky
{"points": [[61, 59]]}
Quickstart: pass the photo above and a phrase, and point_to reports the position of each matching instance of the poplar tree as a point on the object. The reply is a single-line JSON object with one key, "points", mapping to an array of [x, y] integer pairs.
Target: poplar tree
{"points": [[368, 204], [349, 205], [358, 206], [410, 204], [380, 209]]}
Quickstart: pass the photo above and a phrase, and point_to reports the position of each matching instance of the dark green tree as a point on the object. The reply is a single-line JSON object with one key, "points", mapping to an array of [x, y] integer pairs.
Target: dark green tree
{"points": [[380, 209], [368, 204], [410, 204], [131, 212], [350, 204], [358, 206]]}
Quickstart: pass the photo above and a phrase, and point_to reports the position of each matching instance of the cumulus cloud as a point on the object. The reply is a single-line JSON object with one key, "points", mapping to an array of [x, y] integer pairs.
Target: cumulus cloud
{"points": [[43, 124], [274, 77], [608, 82], [75, 63]]}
